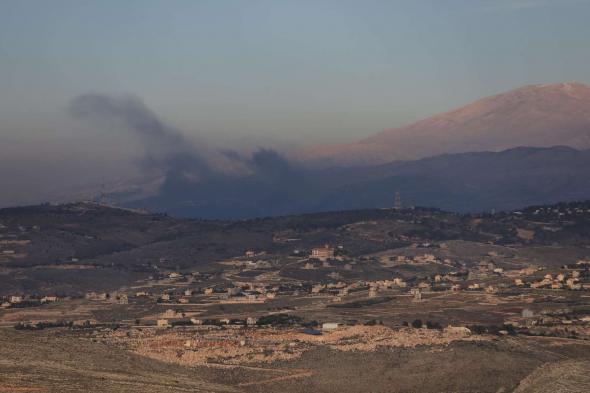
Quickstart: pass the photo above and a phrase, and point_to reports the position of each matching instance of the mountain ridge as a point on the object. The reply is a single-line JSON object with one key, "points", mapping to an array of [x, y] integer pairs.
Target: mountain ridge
{"points": [[534, 115], [462, 182]]}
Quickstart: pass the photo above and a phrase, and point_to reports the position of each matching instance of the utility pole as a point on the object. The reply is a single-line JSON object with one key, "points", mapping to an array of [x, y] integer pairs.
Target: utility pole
{"points": [[397, 203]]}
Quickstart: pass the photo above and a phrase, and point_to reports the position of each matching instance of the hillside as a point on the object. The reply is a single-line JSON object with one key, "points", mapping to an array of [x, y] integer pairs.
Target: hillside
{"points": [[537, 116], [471, 182], [102, 299], [465, 182], [69, 249]]}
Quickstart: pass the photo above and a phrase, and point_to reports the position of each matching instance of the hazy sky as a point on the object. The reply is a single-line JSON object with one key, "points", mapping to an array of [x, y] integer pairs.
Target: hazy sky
{"points": [[297, 71]]}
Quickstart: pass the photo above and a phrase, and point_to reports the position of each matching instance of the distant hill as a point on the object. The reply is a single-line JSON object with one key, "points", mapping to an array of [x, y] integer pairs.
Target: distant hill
{"points": [[538, 116], [471, 182], [466, 182], [74, 248]]}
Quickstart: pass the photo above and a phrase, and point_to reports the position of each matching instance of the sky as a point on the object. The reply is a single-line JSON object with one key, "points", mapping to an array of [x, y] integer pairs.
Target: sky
{"points": [[276, 73]]}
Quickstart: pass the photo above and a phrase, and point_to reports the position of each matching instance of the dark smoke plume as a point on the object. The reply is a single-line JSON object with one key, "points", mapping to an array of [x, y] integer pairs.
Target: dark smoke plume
{"points": [[166, 148], [268, 184]]}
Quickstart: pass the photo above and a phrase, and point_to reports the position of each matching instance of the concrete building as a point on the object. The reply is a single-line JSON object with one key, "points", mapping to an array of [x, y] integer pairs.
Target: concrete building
{"points": [[373, 292], [330, 326], [417, 293], [323, 253], [15, 299], [162, 323]]}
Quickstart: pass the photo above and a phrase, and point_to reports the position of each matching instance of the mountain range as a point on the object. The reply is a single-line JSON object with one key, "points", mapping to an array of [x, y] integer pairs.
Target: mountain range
{"points": [[535, 116], [524, 147]]}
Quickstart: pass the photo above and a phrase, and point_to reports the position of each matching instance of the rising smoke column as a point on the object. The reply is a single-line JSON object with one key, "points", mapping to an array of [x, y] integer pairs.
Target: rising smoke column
{"points": [[166, 149], [269, 183]]}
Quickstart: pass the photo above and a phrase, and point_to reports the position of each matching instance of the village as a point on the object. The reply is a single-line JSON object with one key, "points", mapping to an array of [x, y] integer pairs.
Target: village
{"points": [[260, 296], [226, 302]]}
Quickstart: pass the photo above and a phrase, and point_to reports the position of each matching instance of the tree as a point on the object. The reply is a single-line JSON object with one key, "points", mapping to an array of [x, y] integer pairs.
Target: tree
{"points": [[478, 329], [433, 325]]}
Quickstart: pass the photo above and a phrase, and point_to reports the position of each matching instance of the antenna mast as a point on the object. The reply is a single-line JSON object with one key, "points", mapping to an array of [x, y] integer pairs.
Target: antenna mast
{"points": [[397, 203]]}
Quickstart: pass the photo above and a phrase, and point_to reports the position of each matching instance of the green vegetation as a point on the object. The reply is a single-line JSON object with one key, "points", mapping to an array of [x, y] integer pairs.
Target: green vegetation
{"points": [[279, 320]]}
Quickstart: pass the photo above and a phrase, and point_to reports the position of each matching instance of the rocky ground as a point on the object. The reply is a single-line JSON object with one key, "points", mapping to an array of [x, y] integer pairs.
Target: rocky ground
{"points": [[61, 361], [244, 347]]}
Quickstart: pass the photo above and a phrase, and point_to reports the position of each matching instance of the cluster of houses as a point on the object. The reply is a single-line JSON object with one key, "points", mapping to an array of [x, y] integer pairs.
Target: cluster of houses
{"points": [[233, 293], [179, 318], [422, 259], [568, 280], [561, 211], [26, 301], [183, 277], [485, 269], [557, 322], [114, 297], [341, 289]]}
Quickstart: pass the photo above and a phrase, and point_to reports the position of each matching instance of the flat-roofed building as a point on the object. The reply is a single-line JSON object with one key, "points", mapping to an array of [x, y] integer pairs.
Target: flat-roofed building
{"points": [[323, 253], [330, 326]]}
